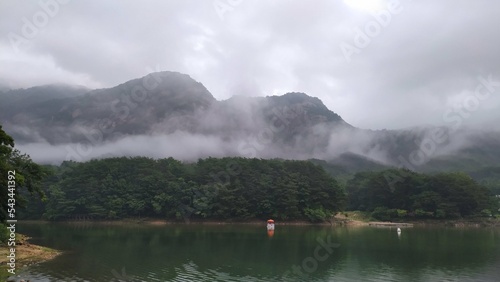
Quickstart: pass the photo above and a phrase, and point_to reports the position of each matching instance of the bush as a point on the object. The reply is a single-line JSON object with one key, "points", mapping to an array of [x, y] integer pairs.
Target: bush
{"points": [[112, 215], [440, 213], [382, 213], [402, 213], [317, 215], [423, 214], [450, 210], [486, 213]]}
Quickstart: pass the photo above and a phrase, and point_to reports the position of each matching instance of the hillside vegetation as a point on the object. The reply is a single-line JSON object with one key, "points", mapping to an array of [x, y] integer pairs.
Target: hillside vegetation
{"points": [[240, 189], [218, 189], [402, 194]]}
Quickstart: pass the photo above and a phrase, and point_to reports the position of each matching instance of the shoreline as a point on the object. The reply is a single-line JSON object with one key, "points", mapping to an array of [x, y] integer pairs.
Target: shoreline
{"points": [[358, 218], [458, 223], [153, 221], [337, 221], [26, 254]]}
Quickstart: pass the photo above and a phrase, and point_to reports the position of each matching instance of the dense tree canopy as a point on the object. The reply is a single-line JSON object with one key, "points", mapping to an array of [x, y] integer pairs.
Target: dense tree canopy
{"points": [[244, 189], [489, 177], [401, 193], [227, 188]]}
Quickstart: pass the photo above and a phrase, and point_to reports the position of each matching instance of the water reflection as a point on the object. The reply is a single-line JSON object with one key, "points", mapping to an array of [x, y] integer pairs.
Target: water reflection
{"points": [[247, 253]]}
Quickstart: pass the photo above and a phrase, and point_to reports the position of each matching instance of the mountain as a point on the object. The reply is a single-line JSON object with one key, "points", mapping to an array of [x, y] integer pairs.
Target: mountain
{"points": [[477, 150], [62, 115], [24, 100], [171, 114]]}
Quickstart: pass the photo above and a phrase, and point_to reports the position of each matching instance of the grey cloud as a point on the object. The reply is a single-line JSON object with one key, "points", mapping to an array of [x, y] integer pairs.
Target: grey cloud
{"points": [[428, 54]]}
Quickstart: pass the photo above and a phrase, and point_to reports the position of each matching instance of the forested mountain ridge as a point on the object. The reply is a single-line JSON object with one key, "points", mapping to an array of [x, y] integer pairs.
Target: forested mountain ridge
{"points": [[160, 107]]}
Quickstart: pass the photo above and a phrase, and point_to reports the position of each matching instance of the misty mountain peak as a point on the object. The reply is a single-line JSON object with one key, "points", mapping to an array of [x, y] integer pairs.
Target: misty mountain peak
{"points": [[312, 106], [170, 106], [299, 97], [169, 83]]}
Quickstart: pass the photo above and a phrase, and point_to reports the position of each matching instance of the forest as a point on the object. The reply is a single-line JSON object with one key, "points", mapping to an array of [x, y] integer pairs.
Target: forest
{"points": [[215, 189], [234, 189], [240, 189], [403, 194]]}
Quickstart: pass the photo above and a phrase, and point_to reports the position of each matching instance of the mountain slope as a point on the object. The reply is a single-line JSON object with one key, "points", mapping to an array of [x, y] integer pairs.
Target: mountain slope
{"points": [[131, 108], [171, 114], [25, 100]]}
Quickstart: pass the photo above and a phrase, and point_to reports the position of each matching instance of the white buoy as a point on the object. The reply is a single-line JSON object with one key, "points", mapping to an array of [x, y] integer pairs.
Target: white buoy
{"points": [[399, 230]]}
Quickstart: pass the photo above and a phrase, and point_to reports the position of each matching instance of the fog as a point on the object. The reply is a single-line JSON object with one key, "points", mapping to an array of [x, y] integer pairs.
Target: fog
{"points": [[237, 128], [421, 58], [411, 67]]}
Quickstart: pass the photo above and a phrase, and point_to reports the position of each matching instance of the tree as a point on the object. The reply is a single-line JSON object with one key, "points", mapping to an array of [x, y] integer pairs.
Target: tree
{"points": [[28, 175]]}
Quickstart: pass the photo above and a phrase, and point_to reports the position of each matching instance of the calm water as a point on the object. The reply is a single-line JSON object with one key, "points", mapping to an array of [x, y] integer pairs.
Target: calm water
{"points": [[246, 253]]}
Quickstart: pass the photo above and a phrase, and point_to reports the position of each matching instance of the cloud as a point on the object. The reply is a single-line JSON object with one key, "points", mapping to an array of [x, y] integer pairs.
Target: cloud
{"points": [[403, 78], [179, 145]]}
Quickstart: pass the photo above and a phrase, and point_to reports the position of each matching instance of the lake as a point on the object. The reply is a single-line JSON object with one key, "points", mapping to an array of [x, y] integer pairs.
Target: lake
{"points": [[94, 252]]}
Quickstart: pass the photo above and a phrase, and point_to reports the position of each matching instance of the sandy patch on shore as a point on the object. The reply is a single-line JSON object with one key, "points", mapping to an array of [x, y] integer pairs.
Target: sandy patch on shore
{"points": [[26, 254]]}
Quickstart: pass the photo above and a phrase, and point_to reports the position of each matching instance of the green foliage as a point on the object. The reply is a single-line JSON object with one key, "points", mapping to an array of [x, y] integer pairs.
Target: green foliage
{"points": [[402, 213], [489, 177], [420, 213], [218, 189], [486, 213], [384, 214], [440, 213], [28, 175], [395, 194], [318, 215]]}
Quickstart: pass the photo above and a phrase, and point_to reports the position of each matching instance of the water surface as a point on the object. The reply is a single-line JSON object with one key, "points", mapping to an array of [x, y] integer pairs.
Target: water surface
{"points": [[246, 253]]}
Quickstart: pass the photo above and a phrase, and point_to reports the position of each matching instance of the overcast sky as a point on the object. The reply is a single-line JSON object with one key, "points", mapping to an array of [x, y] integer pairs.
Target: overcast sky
{"points": [[377, 63]]}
